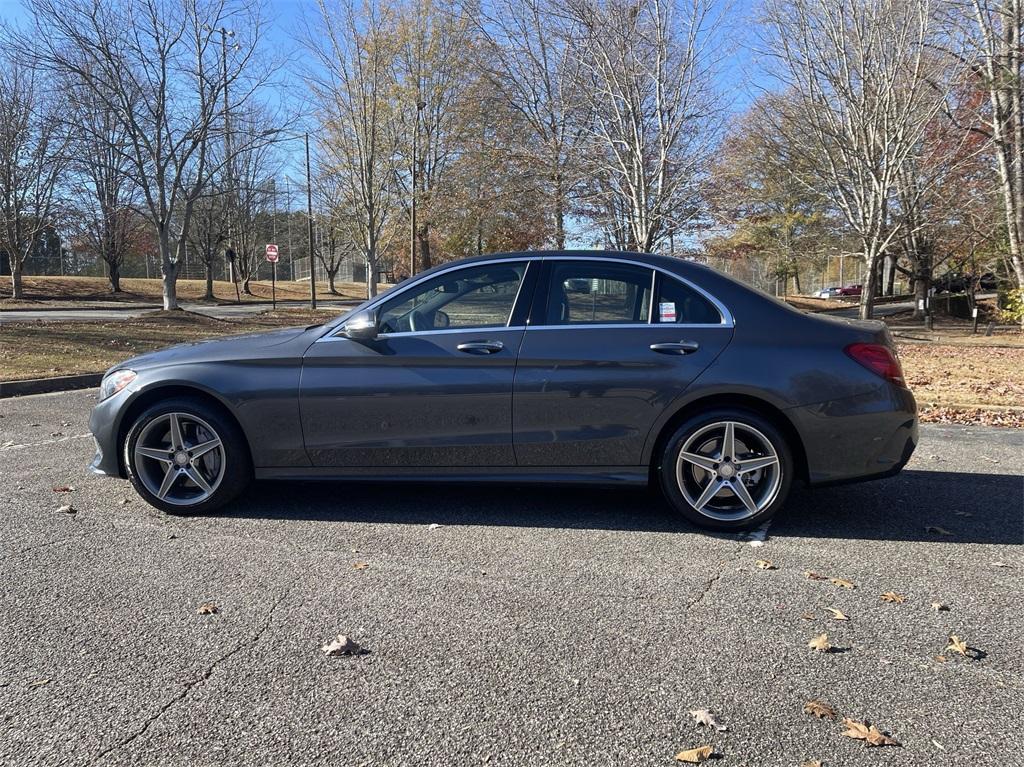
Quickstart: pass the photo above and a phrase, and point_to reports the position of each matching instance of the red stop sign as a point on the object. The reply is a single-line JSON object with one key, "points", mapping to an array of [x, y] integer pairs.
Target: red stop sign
{"points": [[271, 253]]}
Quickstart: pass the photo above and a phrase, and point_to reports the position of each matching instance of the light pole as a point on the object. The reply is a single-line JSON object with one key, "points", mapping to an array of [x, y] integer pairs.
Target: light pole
{"points": [[420, 104], [309, 217]]}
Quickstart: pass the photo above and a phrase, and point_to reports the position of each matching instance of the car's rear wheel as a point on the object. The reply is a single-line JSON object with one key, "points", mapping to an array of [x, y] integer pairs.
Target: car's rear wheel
{"points": [[186, 457], [727, 469]]}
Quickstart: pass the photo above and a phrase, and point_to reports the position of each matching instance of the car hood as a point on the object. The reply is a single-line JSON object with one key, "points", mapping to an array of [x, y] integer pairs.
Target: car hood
{"points": [[285, 342]]}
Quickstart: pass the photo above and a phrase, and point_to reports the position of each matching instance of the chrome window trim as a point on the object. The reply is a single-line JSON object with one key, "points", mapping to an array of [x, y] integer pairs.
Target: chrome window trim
{"points": [[625, 325], [332, 334], [727, 319]]}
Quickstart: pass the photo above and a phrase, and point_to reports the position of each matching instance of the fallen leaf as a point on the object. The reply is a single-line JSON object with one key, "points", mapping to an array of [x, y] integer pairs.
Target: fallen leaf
{"points": [[695, 755], [820, 709], [870, 734], [999, 564], [360, 566], [765, 564], [811, 575], [820, 643], [64, 489], [706, 717], [434, 525], [893, 597], [940, 658], [843, 583], [39, 683], [808, 616], [837, 615], [67, 509], [342, 645], [940, 607], [207, 608], [936, 530], [811, 763], [957, 645]]}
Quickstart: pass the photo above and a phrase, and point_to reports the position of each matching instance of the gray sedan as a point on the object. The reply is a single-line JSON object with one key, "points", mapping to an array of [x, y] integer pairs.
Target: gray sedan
{"points": [[550, 367]]}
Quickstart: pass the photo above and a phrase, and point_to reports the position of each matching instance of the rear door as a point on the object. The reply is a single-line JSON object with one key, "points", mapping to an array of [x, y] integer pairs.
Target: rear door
{"points": [[610, 344]]}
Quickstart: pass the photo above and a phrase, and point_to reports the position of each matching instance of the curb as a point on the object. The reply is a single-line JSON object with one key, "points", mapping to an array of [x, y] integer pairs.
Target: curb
{"points": [[123, 307], [47, 385]]}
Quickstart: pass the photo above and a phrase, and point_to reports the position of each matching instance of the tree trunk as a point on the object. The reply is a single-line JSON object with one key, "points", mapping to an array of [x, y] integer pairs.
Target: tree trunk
{"points": [[372, 272], [423, 245], [890, 275], [169, 272], [330, 281], [17, 291], [209, 280], [245, 286], [867, 294], [115, 277], [921, 285]]}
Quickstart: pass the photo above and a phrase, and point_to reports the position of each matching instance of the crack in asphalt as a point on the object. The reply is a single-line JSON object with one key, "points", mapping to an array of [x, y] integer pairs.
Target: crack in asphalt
{"points": [[759, 534], [202, 678], [23, 445]]}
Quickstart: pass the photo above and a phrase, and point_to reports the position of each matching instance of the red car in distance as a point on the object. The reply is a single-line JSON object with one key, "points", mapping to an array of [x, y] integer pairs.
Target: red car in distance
{"points": [[850, 290]]}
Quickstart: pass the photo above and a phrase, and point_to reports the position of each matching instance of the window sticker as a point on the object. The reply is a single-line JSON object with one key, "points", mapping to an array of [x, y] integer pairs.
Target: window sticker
{"points": [[667, 311]]}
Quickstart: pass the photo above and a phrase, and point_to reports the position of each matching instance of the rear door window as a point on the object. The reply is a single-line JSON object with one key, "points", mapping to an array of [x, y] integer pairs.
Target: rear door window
{"points": [[597, 292]]}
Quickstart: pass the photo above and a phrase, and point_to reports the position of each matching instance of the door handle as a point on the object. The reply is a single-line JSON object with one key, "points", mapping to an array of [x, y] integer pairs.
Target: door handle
{"points": [[481, 347], [676, 347]]}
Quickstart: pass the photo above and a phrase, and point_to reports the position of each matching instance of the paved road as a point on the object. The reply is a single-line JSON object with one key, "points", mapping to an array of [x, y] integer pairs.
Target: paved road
{"points": [[221, 311], [533, 627]]}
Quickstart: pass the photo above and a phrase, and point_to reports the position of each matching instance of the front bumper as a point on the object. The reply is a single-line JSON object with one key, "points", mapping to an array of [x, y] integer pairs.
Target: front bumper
{"points": [[868, 436], [103, 423]]}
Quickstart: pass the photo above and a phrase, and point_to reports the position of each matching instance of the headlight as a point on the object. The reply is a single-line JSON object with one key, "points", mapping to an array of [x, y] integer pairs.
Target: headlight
{"points": [[113, 382]]}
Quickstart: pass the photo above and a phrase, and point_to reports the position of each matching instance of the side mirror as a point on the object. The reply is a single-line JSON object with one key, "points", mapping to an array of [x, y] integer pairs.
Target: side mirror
{"points": [[362, 327]]}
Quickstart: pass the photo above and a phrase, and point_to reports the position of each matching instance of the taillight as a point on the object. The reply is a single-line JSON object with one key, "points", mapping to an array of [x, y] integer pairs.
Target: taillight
{"points": [[879, 359]]}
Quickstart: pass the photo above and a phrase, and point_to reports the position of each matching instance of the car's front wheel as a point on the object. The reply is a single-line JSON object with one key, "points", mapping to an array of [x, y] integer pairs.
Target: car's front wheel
{"points": [[727, 469], [186, 457]]}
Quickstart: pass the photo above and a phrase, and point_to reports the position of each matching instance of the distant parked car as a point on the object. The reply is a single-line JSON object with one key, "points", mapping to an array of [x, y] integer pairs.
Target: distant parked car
{"points": [[831, 292], [850, 290]]}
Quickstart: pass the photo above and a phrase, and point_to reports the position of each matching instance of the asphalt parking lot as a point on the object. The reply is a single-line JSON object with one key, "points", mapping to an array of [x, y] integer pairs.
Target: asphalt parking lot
{"points": [[530, 627]]}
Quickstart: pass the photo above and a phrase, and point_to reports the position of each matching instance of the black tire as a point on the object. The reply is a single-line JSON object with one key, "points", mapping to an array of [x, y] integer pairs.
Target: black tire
{"points": [[234, 476], [770, 489]]}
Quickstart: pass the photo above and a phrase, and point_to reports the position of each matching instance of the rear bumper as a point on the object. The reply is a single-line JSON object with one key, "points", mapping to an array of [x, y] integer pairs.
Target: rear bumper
{"points": [[868, 436]]}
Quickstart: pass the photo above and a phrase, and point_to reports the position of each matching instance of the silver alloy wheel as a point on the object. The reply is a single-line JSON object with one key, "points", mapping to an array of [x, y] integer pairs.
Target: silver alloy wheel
{"points": [[728, 471], [180, 459]]}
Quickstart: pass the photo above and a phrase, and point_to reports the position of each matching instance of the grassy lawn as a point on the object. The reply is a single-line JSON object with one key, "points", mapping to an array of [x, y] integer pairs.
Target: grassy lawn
{"points": [[48, 349], [63, 292]]}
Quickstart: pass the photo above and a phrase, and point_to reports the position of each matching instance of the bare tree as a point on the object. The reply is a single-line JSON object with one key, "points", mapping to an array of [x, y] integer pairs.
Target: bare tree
{"points": [[998, 57], [354, 85], [32, 160], [105, 195], [864, 84], [253, 169], [527, 56], [647, 72], [156, 66], [209, 231]]}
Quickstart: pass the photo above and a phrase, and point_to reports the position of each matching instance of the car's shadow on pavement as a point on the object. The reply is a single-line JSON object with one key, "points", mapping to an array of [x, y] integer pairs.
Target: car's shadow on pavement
{"points": [[942, 507]]}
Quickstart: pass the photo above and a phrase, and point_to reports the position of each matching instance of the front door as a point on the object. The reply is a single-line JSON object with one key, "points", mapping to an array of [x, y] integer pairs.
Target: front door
{"points": [[434, 389], [600, 361]]}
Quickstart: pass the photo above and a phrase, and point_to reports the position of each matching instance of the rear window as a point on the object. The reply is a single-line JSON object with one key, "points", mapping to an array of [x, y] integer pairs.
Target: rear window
{"points": [[682, 304]]}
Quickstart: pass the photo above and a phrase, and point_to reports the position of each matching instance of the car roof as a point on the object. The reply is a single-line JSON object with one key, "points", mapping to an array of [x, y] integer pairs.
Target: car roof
{"points": [[671, 263]]}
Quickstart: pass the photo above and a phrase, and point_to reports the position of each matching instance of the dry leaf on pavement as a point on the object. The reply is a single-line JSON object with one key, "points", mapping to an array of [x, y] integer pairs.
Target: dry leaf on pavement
{"points": [[940, 607], [837, 615], [342, 645], [695, 755], [819, 709], [67, 509], [765, 564], [64, 489], [843, 583], [360, 566], [957, 645], [811, 763], [820, 643], [706, 717], [813, 576], [207, 608], [893, 597], [807, 616], [870, 734]]}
